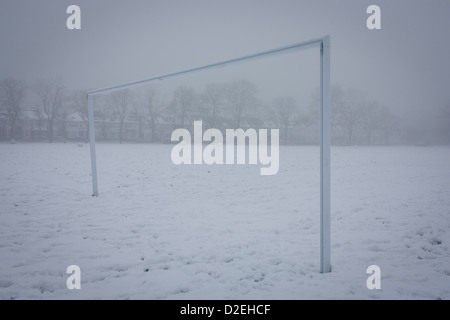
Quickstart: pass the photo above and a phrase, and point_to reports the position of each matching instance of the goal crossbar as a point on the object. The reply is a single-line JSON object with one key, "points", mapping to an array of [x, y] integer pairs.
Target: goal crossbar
{"points": [[325, 96], [290, 48]]}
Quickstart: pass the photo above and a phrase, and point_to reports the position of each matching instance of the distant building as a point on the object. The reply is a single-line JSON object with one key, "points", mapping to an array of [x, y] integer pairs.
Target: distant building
{"points": [[32, 126]]}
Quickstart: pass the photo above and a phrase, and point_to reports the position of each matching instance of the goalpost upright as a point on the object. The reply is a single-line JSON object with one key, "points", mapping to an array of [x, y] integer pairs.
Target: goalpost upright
{"points": [[325, 141], [325, 130]]}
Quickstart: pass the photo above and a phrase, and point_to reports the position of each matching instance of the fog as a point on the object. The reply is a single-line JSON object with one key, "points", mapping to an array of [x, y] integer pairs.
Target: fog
{"points": [[183, 207], [403, 66]]}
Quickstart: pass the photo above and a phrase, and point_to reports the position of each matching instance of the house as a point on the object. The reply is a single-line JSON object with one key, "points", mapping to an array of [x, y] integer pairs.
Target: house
{"points": [[32, 126]]}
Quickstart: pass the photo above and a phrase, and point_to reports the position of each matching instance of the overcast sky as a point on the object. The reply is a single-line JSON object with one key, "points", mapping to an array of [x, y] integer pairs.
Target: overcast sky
{"points": [[405, 65]]}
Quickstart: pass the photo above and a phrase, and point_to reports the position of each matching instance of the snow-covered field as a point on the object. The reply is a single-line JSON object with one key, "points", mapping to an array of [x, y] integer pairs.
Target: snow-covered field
{"points": [[160, 231]]}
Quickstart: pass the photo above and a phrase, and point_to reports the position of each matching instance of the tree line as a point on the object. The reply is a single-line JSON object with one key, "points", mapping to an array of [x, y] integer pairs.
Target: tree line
{"points": [[355, 117]]}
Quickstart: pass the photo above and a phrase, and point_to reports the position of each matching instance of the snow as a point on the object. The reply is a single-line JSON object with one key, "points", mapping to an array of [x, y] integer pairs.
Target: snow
{"points": [[161, 231]]}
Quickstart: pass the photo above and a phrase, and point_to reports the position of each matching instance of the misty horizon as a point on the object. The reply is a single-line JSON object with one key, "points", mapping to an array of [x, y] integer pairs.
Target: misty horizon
{"points": [[403, 66]]}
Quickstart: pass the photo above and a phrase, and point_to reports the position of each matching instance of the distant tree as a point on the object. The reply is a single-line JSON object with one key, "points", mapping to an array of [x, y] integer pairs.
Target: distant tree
{"points": [[40, 117], [121, 103], [389, 124], [212, 100], [137, 113], [152, 110], [62, 116], [12, 92], [182, 104], [102, 114], [50, 93], [78, 103], [350, 115], [371, 118], [239, 96], [283, 111], [338, 101]]}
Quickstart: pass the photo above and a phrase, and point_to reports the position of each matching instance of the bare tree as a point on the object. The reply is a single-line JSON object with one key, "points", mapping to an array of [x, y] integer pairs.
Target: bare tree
{"points": [[152, 110], [371, 118], [389, 124], [350, 115], [41, 119], [11, 95], [182, 103], [212, 101], [62, 116], [239, 96], [102, 114], [137, 113], [283, 112], [338, 101], [50, 93], [121, 103], [78, 101]]}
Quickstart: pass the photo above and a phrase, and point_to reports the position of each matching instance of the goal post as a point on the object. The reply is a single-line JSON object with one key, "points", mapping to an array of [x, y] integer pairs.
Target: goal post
{"points": [[325, 132], [325, 141]]}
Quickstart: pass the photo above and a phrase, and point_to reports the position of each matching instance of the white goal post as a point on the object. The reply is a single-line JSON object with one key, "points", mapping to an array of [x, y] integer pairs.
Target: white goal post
{"points": [[325, 97]]}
